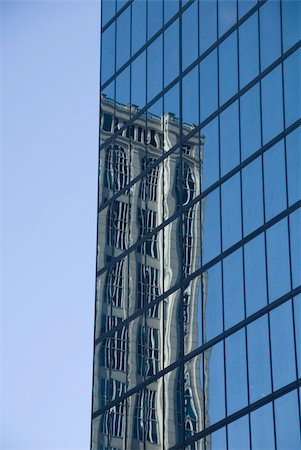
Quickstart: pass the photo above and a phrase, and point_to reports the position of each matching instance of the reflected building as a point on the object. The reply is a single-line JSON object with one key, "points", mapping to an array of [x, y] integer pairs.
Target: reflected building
{"points": [[198, 289]]}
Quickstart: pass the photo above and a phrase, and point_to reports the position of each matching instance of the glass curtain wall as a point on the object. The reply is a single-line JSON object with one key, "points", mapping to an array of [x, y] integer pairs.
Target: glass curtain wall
{"points": [[198, 296]]}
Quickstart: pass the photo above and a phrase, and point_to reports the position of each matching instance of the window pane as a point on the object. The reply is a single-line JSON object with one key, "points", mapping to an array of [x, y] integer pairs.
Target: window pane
{"points": [[123, 43], [262, 428], [287, 422], [211, 226], [229, 138], [255, 275], [282, 339], [228, 67], [190, 99], [274, 180], [297, 317], [215, 380], [171, 53], [155, 17], [252, 196], [259, 359], [190, 35], [208, 23], [212, 286], [278, 260], [238, 434], [154, 68], [231, 211], [248, 50], [233, 288], [272, 111], [208, 85], [292, 89], [250, 129], [226, 15], [107, 50], [270, 39], [295, 227], [108, 8], [293, 145], [171, 7], [291, 19], [138, 25], [210, 159]]}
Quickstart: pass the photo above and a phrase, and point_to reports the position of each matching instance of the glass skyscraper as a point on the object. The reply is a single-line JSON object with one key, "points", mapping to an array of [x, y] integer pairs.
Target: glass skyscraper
{"points": [[198, 296]]}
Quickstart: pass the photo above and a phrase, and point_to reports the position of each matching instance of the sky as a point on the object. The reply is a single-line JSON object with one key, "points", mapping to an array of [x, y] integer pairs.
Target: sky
{"points": [[49, 90]]}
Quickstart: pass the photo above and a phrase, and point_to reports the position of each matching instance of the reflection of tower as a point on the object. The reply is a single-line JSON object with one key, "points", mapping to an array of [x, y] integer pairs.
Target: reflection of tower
{"points": [[136, 352]]}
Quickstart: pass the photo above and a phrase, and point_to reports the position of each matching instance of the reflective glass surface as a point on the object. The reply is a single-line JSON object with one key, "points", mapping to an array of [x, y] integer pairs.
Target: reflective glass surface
{"points": [[198, 296]]}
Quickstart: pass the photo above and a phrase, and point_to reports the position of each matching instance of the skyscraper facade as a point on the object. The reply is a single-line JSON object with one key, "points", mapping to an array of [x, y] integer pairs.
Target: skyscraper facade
{"points": [[198, 284]]}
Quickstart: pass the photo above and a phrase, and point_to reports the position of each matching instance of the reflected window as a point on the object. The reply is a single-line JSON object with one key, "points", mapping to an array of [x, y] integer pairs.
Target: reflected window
{"points": [[190, 412], [148, 351], [113, 350], [188, 183], [114, 285], [149, 184], [148, 288], [118, 225], [112, 421], [117, 168], [188, 239], [147, 220], [145, 419]]}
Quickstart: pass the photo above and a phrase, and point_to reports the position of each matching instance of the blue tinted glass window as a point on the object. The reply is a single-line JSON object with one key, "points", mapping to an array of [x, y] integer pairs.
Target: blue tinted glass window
{"points": [[262, 428], [295, 241], [208, 85], [287, 422], [238, 434], [190, 100], [213, 302], [233, 284], [274, 180], [272, 110], [248, 50], [297, 318], [138, 25], [210, 154], [123, 39], [282, 342], [291, 19], [211, 226], [108, 9], [231, 211], [171, 53], [217, 439], [252, 196], [171, 7], [236, 372], [155, 17], [259, 359], [227, 15], [208, 23], [138, 81], [190, 35], [228, 67], [293, 145], [278, 260], [292, 88], [250, 122], [154, 68], [107, 52], [270, 37], [244, 6], [214, 376], [122, 84], [255, 275], [229, 138]]}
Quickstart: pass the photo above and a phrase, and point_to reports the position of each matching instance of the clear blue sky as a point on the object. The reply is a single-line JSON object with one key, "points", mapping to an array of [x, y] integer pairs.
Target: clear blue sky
{"points": [[49, 132]]}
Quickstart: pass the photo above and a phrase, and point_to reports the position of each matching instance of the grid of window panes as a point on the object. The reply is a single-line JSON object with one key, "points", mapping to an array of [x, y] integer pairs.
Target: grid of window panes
{"points": [[198, 293]]}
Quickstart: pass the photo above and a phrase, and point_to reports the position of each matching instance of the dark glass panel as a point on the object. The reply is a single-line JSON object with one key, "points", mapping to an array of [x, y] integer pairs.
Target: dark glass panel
{"points": [[291, 19], [259, 359], [154, 68], [213, 306], [287, 422], [248, 50], [295, 242], [171, 53], [208, 85], [239, 434], [233, 285], [190, 99], [228, 77], [211, 226], [123, 39], [278, 260], [107, 53], [208, 23], [138, 81], [252, 196], [272, 110], [227, 15], [236, 372], [231, 211], [255, 275], [138, 25], [190, 35], [292, 88], [229, 138], [262, 428], [210, 154], [108, 9], [155, 17], [250, 123], [274, 180], [270, 33], [293, 145], [282, 342]]}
